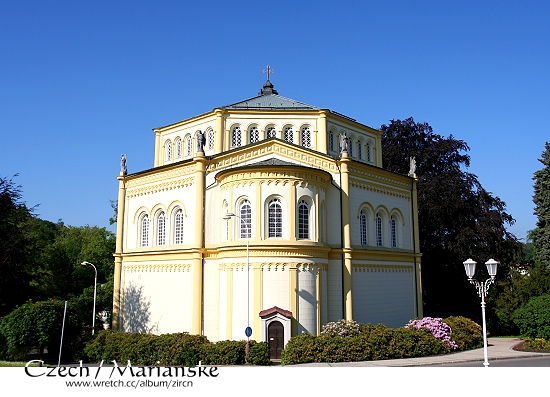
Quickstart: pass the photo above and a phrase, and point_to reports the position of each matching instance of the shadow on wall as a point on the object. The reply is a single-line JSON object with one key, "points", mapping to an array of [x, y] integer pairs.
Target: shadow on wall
{"points": [[308, 302], [137, 313]]}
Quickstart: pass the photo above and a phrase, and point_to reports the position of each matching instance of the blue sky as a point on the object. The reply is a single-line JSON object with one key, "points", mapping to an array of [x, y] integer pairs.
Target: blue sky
{"points": [[82, 82]]}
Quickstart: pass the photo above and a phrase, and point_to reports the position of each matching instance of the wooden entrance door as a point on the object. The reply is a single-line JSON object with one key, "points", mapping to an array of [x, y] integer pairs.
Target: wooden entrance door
{"points": [[275, 332]]}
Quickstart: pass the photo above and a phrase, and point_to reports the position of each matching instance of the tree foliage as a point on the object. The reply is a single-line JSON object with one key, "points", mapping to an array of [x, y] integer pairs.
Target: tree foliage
{"points": [[541, 198], [458, 218], [17, 245], [38, 325]]}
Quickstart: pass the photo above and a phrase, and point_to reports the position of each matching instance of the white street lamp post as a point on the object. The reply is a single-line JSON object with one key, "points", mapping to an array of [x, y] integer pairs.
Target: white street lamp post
{"points": [[482, 290], [248, 330], [95, 286]]}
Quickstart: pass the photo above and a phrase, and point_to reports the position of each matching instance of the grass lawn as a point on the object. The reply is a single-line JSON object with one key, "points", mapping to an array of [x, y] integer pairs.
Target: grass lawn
{"points": [[16, 364]]}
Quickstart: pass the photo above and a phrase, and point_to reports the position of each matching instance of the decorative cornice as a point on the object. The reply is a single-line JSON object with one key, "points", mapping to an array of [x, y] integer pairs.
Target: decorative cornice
{"points": [[303, 157], [156, 175], [157, 268], [379, 188], [160, 187], [381, 176], [384, 268]]}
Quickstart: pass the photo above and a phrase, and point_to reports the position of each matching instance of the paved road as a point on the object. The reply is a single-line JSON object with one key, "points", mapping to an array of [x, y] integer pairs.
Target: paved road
{"points": [[523, 362]]}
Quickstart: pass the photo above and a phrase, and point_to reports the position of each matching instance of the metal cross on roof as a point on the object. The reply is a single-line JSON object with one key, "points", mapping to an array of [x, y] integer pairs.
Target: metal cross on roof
{"points": [[268, 71]]}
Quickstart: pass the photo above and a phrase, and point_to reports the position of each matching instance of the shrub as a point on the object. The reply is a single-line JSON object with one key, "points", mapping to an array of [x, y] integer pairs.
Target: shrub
{"points": [[227, 352], [369, 343], [38, 325], [341, 328], [147, 349], [171, 349], [533, 318], [259, 353], [536, 344], [437, 327], [466, 333]]}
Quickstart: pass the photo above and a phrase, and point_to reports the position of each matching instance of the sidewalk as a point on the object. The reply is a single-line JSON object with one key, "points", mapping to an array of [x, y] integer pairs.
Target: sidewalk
{"points": [[498, 349]]}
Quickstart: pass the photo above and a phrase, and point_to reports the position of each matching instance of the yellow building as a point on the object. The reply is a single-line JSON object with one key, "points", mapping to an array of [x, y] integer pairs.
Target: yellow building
{"points": [[268, 213]]}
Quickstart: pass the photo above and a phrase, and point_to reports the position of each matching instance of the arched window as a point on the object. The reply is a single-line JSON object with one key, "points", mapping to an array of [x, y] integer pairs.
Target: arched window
{"points": [[363, 228], [393, 232], [254, 135], [303, 220], [210, 140], [379, 240], [179, 150], [246, 220], [288, 134], [145, 231], [271, 132], [359, 150], [368, 153], [275, 218], [178, 227], [161, 229], [305, 137], [188, 146], [168, 149], [331, 141], [236, 137], [350, 147]]}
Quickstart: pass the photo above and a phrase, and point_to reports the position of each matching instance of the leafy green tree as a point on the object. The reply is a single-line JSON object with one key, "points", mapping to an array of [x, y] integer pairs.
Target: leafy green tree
{"points": [[533, 318], [38, 325], [541, 198], [63, 276], [22, 237], [512, 293], [458, 218]]}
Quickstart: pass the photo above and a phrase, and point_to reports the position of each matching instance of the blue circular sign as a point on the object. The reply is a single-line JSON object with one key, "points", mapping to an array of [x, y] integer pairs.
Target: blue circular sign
{"points": [[248, 332]]}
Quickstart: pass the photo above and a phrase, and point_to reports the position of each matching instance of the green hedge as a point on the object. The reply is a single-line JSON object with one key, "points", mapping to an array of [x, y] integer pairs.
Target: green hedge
{"points": [[533, 318], [38, 325], [171, 349], [466, 333], [372, 343]]}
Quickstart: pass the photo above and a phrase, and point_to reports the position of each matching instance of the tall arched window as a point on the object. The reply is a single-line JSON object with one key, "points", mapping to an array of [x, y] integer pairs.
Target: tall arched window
{"points": [[210, 139], [368, 153], [275, 218], [254, 135], [360, 150], [161, 229], [288, 134], [363, 228], [236, 137], [271, 132], [188, 146], [379, 240], [179, 150], [350, 147], [331, 141], [303, 220], [178, 227], [246, 220], [305, 137], [168, 149], [145, 231], [393, 232]]}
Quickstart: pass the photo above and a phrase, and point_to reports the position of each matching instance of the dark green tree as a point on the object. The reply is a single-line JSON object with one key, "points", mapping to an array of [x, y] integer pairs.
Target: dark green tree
{"points": [[22, 236], [541, 198], [458, 218], [63, 276]]}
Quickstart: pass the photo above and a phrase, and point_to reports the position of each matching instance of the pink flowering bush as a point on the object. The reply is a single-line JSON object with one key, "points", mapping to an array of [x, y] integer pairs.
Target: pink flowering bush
{"points": [[437, 327]]}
